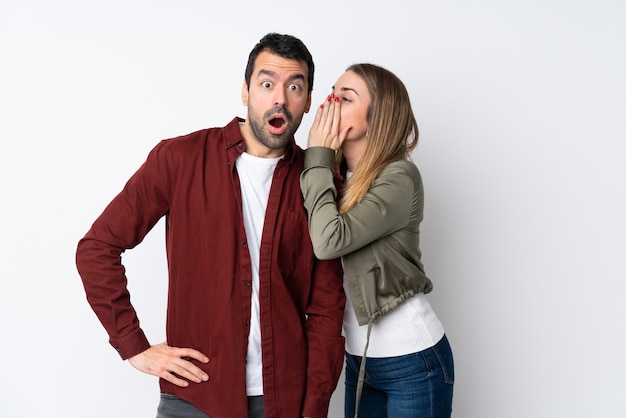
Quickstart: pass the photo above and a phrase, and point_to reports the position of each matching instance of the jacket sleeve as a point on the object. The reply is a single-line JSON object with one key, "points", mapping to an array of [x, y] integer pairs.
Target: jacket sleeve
{"points": [[122, 225], [325, 342], [380, 213]]}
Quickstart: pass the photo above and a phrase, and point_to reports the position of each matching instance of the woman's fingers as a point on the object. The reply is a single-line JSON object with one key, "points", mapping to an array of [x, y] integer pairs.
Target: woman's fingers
{"points": [[325, 129]]}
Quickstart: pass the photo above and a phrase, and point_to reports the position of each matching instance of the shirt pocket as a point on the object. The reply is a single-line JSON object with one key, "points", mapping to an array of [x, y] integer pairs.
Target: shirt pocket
{"points": [[295, 253]]}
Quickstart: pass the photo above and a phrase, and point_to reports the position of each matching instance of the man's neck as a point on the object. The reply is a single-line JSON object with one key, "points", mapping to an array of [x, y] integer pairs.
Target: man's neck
{"points": [[254, 147]]}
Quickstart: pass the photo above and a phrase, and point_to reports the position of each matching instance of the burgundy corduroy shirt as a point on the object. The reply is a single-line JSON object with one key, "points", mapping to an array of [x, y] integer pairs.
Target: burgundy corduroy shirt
{"points": [[192, 181]]}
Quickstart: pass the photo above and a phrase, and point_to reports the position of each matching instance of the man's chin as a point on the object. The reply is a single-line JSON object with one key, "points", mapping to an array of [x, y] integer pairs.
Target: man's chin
{"points": [[276, 142]]}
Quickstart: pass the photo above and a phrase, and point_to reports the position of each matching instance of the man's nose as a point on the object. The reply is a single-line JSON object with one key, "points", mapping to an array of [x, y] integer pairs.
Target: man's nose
{"points": [[279, 97]]}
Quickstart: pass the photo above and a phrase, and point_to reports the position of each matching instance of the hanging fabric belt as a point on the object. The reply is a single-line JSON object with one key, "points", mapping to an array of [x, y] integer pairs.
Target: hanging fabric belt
{"points": [[359, 385]]}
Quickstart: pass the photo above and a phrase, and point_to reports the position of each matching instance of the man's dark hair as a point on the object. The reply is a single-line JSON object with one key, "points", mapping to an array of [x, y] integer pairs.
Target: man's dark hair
{"points": [[286, 46]]}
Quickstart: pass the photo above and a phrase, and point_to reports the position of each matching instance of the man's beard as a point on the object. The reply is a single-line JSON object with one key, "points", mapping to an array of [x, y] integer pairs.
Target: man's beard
{"points": [[267, 139]]}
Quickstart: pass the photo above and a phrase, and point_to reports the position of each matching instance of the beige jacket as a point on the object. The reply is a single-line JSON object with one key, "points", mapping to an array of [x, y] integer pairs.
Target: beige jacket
{"points": [[378, 239]]}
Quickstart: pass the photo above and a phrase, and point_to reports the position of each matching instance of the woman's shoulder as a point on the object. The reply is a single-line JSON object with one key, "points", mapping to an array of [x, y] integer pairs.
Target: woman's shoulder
{"points": [[402, 167]]}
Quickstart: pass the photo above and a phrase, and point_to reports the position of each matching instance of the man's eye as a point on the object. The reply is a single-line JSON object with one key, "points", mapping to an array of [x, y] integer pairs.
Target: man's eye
{"points": [[295, 87], [266, 84]]}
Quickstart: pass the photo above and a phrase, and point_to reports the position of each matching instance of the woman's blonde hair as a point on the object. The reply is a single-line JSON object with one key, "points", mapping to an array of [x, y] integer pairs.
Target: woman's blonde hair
{"points": [[392, 133]]}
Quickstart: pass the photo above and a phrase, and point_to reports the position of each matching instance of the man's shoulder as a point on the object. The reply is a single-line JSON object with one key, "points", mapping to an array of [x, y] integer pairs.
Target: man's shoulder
{"points": [[203, 138], [198, 136]]}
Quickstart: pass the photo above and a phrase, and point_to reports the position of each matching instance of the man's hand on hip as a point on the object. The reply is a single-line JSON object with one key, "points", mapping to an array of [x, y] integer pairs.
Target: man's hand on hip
{"points": [[170, 363]]}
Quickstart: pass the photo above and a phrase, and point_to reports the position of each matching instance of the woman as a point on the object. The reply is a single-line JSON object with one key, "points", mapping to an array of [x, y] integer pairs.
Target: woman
{"points": [[398, 359]]}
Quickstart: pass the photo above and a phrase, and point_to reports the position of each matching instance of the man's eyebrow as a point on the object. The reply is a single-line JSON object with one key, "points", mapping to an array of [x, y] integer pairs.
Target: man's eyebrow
{"points": [[298, 76], [270, 73], [267, 72], [348, 89]]}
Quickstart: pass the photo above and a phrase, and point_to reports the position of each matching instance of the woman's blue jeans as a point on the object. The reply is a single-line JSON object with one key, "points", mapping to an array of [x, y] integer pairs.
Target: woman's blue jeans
{"points": [[417, 385]]}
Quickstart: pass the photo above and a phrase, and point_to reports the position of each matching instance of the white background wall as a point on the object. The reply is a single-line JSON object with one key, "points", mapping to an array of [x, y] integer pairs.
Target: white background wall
{"points": [[522, 108]]}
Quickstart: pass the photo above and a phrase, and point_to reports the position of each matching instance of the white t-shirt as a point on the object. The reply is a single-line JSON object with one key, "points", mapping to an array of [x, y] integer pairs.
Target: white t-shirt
{"points": [[255, 177]]}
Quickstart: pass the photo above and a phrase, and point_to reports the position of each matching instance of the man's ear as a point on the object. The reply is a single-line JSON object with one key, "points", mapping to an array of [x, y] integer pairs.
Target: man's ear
{"points": [[244, 94], [308, 102]]}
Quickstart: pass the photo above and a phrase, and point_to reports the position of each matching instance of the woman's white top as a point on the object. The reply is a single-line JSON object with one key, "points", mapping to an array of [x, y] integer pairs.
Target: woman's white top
{"points": [[410, 328]]}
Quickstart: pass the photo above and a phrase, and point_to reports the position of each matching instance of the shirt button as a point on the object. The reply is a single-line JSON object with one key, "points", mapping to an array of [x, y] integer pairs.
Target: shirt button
{"points": [[247, 283]]}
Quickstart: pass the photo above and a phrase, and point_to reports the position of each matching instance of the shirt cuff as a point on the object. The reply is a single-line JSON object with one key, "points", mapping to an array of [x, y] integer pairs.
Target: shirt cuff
{"points": [[131, 344], [319, 157]]}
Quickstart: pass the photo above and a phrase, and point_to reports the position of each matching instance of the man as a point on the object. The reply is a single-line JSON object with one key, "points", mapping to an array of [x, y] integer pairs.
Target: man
{"points": [[253, 319]]}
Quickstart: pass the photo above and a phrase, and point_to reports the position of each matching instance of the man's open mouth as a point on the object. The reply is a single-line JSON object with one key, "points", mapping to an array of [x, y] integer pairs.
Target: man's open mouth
{"points": [[277, 124]]}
